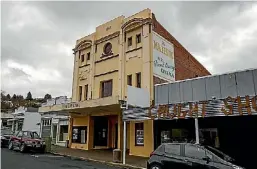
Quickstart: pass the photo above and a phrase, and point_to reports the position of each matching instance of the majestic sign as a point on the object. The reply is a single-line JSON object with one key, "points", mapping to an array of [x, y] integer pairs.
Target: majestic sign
{"points": [[71, 105], [222, 107], [163, 58]]}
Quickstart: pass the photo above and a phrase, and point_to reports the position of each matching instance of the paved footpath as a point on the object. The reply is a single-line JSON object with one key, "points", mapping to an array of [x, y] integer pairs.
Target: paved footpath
{"points": [[17, 160]]}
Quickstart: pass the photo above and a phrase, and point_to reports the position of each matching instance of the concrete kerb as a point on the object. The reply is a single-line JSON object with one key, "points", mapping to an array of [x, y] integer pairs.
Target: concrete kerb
{"points": [[126, 166]]}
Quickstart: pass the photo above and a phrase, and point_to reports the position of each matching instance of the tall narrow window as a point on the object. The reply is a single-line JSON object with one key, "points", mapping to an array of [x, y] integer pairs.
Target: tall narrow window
{"points": [[82, 58], [139, 134], [86, 92], [138, 75], [80, 93], [88, 56], [129, 80], [138, 38], [106, 88], [95, 48], [129, 41]]}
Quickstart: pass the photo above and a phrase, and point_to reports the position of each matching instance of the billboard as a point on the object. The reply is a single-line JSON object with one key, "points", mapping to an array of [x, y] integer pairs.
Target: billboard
{"points": [[138, 97], [163, 58]]}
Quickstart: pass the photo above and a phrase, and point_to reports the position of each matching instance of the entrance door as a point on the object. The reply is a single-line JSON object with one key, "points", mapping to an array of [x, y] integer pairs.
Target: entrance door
{"points": [[100, 131]]}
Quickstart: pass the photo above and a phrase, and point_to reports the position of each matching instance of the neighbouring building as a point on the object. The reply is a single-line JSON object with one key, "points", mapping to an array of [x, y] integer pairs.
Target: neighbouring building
{"points": [[54, 121], [136, 51], [5, 116], [25, 118], [224, 107]]}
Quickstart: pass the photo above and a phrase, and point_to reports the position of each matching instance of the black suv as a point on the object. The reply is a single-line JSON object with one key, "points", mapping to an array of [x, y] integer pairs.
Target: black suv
{"points": [[185, 155]]}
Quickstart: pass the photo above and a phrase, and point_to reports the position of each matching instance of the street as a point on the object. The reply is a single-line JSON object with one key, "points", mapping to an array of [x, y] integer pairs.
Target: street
{"points": [[17, 160]]}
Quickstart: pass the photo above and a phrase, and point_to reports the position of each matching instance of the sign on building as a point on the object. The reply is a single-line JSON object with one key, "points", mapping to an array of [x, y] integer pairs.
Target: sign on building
{"points": [[163, 58], [71, 105]]}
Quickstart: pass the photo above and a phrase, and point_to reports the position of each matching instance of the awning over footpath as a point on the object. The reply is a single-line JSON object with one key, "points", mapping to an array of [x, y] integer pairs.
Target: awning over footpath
{"points": [[229, 106], [229, 94]]}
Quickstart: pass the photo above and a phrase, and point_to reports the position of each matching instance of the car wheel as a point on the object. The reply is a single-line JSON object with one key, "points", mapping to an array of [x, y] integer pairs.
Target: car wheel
{"points": [[43, 151], [22, 148], [10, 146], [155, 166]]}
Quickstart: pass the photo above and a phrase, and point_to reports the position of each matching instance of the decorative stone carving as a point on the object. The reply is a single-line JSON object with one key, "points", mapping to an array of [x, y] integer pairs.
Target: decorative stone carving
{"points": [[83, 44], [108, 37], [83, 75], [136, 21]]}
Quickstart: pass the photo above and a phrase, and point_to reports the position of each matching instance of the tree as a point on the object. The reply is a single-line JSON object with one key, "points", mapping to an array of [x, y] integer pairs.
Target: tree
{"points": [[3, 97], [8, 97], [14, 97], [29, 96], [20, 97], [47, 96]]}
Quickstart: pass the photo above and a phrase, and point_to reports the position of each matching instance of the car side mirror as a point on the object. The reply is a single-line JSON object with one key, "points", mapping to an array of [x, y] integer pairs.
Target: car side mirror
{"points": [[207, 159]]}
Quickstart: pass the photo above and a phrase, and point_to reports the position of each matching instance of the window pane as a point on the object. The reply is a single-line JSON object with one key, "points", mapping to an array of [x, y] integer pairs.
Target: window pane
{"points": [[173, 149], [86, 92], [194, 152], [139, 38], [80, 93], [129, 80], [82, 58], [138, 80], [88, 56], [79, 134], [106, 88], [139, 133]]}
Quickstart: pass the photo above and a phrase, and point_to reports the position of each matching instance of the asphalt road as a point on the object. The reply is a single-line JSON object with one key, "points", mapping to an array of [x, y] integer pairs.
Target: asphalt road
{"points": [[17, 160]]}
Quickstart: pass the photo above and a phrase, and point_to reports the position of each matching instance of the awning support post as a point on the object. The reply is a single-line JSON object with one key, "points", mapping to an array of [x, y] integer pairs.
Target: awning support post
{"points": [[197, 131], [124, 142]]}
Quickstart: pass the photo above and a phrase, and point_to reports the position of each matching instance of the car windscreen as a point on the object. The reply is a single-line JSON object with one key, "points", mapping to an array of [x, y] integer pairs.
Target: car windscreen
{"points": [[217, 152], [35, 135], [6, 132]]}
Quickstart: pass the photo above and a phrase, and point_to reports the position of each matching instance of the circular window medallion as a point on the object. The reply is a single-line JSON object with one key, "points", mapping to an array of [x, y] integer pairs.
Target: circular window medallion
{"points": [[107, 48]]}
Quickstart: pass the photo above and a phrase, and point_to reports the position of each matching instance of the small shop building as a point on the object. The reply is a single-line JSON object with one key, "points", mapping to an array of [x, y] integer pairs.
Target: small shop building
{"points": [[219, 111], [55, 121]]}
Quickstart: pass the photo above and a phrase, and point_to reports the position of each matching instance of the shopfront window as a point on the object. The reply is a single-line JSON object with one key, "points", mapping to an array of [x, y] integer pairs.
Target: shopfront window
{"points": [[79, 134], [139, 133], [63, 133], [166, 137]]}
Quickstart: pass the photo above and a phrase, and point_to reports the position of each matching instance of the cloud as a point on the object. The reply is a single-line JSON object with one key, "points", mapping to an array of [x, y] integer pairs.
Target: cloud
{"points": [[38, 37]]}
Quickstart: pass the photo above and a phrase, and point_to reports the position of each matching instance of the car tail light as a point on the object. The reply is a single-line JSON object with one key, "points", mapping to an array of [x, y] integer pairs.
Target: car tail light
{"points": [[152, 153]]}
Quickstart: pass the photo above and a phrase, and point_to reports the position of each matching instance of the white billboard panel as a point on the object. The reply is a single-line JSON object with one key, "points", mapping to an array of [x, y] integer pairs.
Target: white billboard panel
{"points": [[138, 97], [163, 58]]}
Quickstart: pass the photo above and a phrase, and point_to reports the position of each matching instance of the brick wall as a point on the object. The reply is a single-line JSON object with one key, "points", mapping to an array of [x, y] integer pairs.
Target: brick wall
{"points": [[186, 66]]}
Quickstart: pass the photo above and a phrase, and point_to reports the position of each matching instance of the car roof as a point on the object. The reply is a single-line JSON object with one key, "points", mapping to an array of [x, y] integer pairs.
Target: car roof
{"points": [[181, 144]]}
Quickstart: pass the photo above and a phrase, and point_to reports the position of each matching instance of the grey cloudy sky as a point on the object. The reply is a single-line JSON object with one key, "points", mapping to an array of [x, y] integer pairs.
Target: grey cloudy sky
{"points": [[38, 37]]}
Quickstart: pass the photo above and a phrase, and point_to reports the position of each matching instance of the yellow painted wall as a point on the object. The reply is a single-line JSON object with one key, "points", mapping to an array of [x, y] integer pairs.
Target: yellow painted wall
{"points": [[81, 121], [109, 27], [107, 66], [148, 140]]}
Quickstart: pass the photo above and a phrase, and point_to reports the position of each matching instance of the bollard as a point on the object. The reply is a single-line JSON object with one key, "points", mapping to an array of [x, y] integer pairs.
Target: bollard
{"points": [[116, 155], [48, 141]]}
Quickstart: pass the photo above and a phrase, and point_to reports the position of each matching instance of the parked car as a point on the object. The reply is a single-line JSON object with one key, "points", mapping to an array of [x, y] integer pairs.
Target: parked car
{"points": [[6, 133], [27, 141], [186, 155]]}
